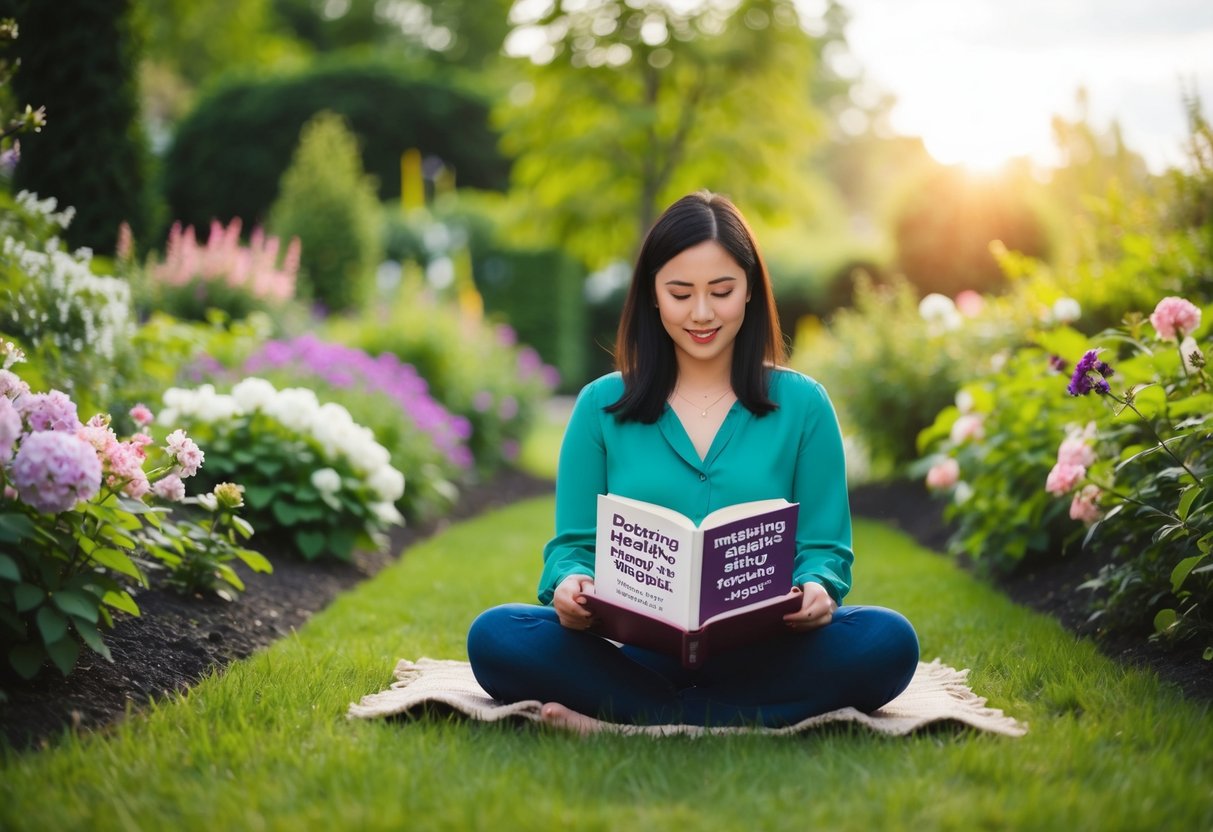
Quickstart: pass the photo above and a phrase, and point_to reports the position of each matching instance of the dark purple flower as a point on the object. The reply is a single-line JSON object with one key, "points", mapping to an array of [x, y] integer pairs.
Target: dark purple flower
{"points": [[1058, 364], [1081, 382]]}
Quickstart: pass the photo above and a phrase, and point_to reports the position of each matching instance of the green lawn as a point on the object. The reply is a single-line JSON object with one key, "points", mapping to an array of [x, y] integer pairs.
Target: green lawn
{"points": [[267, 745]]}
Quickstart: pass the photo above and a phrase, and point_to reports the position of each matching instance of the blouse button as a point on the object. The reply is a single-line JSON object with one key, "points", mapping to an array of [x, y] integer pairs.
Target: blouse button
{"points": [[703, 477]]}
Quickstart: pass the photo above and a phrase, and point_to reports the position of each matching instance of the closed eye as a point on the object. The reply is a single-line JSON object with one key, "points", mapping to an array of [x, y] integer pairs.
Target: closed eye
{"points": [[722, 294]]}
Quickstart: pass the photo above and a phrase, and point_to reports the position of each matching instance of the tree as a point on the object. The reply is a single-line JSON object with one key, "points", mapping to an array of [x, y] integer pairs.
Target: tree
{"points": [[78, 60], [629, 105]]}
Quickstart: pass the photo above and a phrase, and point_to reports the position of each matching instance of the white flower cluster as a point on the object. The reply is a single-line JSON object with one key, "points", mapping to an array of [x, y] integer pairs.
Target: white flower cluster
{"points": [[61, 299], [298, 409]]}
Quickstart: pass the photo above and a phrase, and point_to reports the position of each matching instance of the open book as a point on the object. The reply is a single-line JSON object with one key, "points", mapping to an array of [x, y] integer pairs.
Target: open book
{"points": [[662, 583]]}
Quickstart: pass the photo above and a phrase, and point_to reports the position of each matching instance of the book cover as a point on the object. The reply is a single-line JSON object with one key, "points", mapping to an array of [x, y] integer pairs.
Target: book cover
{"points": [[661, 582]]}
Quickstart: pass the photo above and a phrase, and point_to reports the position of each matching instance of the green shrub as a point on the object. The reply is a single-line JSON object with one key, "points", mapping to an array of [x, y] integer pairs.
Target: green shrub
{"points": [[229, 154], [892, 363], [92, 153], [476, 369], [329, 204], [314, 479], [74, 324]]}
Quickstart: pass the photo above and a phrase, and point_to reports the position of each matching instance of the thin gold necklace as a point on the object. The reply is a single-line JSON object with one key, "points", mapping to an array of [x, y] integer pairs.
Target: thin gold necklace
{"points": [[703, 411]]}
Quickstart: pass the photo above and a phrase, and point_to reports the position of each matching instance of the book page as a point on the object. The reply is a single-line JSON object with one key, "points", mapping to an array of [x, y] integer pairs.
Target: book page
{"points": [[643, 558], [748, 560]]}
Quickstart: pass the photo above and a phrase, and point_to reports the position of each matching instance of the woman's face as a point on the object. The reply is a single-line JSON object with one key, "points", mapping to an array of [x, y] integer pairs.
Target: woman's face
{"points": [[701, 295]]}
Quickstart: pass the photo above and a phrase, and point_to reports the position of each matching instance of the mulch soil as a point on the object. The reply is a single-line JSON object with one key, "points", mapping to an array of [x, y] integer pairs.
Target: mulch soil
{"points": [[179, 639]]}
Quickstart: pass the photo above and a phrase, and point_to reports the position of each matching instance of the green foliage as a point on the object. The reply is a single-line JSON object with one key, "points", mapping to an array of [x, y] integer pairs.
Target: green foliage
{"points": [[198, 551], [228, 155], [999, 509], [474, 369], [92, 153], [73, 324], [890, 369], [329, 204], [314, 479], [64, 567], [653, 102]]}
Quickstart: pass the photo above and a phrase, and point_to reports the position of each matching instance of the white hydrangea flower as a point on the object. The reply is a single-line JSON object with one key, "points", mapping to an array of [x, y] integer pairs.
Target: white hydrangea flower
{"points": [[1066, 310], [253, 394], [326, 480], [387, 514], [387, 482], [939, 311]]}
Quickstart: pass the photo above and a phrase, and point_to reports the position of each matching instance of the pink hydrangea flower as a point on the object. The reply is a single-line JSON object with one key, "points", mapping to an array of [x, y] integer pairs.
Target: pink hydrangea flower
{"points": [[969, 426], [1175, 317], [10, 428], [11, 386], [124, 466], [170, 488], [141, 415], [54, 470], [1063, 478], [187, 455], [49, 411], [1075, 451], [1085, 506], [944, 474]]}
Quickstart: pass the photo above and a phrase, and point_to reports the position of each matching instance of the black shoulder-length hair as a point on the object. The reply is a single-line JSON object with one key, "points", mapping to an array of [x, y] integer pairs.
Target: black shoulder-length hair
{"points": [[644, 351]]}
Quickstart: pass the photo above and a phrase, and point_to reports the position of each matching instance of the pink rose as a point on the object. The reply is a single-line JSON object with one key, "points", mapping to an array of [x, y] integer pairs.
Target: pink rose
{"points": [[141, 415], [170, 488], [185, 453], [1174, 317], [944, 474], [969, 426], [1074, 451], [1085, 507], [1063, 478]]}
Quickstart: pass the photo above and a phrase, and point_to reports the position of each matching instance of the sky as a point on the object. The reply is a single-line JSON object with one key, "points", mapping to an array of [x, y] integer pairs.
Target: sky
{"points": [[979, 80]]}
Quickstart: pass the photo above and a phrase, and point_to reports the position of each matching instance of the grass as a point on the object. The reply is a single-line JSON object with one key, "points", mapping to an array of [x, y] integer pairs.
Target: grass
{"points": [[266, 745]]}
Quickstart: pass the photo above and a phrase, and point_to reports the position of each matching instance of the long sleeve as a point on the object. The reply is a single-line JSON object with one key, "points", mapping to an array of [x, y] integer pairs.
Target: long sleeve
{"points": [[823, 536], [581, 475]]}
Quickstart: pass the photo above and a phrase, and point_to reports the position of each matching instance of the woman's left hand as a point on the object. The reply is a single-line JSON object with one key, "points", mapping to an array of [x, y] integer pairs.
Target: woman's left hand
{"points": [[816, 609]]}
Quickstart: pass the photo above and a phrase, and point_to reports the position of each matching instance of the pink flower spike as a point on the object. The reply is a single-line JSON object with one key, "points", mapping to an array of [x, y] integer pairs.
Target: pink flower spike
{"points": [[1175, 317], [141, 415]]}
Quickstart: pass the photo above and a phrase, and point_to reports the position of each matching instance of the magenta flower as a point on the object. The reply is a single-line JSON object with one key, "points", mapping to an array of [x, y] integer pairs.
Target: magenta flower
{"points": [[1175, 317], [1084, 379], [54, 470], [49, 411]]}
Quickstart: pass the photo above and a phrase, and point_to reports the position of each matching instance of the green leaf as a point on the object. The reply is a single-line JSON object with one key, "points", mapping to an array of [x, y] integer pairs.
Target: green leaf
{"points": [[1185, 502], [1205, 544], [51, 623], [1164, 620], [15, 527], [286, 513], [229, 575], [121, 600], [64, 653], [27, 596], [254, 560], [27, 659], [8, 569], [259, 496], [92, 637], [1208, 654], [244, 527], [118, 561], [76, 604], [310, 544], [1180, 573], [341, 542]]}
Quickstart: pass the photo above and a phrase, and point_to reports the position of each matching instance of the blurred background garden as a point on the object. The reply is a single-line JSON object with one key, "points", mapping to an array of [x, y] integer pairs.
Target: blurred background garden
{"points": [[346, 252]]}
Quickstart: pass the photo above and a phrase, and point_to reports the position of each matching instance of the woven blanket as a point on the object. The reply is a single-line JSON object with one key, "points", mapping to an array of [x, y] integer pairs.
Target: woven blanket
{"points": [[937, 694]]}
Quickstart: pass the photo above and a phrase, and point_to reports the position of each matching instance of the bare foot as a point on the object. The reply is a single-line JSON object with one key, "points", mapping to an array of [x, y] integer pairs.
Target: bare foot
{"points": [[558, 716]]}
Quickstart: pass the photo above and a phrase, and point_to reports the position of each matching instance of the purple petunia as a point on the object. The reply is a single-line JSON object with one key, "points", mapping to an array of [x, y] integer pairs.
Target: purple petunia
{"points": [[1090, 374]]}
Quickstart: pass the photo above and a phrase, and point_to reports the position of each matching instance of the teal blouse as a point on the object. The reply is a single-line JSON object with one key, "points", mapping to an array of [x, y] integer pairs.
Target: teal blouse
{"points": [[794, 452]]}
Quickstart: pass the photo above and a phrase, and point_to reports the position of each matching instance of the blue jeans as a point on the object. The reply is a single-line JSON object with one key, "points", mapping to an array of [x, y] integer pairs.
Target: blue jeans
{"points": [[863, 658]]}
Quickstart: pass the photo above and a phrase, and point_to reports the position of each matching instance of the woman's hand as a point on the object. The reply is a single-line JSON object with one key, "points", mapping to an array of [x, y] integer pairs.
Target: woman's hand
{"points": [[816, 609], [569, 601]]}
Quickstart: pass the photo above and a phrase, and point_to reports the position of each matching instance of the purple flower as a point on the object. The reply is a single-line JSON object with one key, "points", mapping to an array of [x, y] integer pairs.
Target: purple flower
{"points": [[54, 470], [1058, 364], [10, 428], [1083, 382], [49, 411]]}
